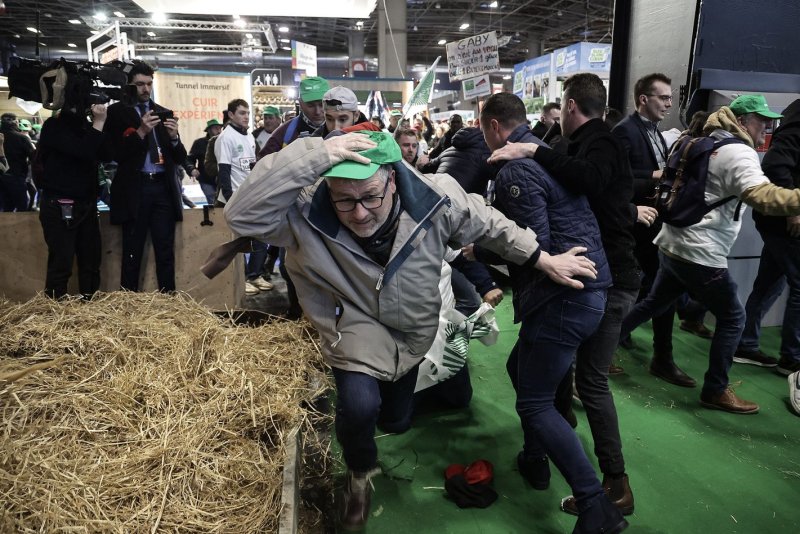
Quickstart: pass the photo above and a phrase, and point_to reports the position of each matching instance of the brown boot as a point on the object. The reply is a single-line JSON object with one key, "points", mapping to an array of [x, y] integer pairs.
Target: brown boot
{"points": [[354, 510], [663, 366], [727, 401], [618, 491]]}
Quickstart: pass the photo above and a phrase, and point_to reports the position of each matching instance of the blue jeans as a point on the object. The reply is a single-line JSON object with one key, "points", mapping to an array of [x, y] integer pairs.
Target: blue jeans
{"points": [[542, 356], [780, 263], [255, 264], [364, 402], [714, 288]]}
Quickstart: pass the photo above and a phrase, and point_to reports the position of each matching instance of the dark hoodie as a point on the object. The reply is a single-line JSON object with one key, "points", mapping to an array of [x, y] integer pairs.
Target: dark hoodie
{"points": [[465, 161], [781, 164]]}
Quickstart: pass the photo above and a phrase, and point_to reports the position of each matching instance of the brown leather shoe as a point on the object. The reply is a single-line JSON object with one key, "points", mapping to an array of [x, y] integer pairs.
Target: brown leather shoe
{"points": [[615, 370], [698, 329], [665, 369], [727, 401], [618, 491], [354, 510]]}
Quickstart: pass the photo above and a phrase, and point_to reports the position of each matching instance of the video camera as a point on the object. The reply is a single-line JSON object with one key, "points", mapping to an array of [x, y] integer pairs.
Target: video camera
{"points": [[71, 84]]}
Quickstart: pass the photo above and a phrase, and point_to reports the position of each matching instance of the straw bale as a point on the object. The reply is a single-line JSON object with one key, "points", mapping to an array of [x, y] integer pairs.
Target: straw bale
{"points": [[146, 413]]}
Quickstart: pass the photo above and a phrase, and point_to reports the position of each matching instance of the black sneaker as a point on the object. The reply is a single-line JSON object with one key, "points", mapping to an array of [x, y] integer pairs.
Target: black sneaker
{"points": [[787, 367], [754, 358]]}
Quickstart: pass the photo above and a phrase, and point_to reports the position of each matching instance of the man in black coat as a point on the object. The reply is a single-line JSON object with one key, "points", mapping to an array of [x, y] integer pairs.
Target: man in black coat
{"points": [[465, 161], [647, 154], [146, 193], [551, 114], [595, 165], [780, 257]]}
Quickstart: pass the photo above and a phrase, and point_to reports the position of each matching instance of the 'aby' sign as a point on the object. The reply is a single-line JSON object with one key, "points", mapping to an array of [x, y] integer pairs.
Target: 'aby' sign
{"points": [[473, 56]]}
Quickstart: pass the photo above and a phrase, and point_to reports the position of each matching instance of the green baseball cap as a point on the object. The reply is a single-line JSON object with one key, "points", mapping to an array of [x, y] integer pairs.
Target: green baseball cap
{"points": [[386, 151], [313, 88], [753, 104], [272, 110], [396, 113], [24, 125], [212, 122], [36, 126]]}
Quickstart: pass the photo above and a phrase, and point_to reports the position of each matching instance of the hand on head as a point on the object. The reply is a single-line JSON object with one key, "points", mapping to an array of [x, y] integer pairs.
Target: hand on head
{"points": [[346, 146]]}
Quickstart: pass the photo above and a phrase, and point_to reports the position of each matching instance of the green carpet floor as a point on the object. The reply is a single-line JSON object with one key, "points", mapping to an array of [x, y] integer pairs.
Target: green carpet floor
{"points": [[692, 470]]}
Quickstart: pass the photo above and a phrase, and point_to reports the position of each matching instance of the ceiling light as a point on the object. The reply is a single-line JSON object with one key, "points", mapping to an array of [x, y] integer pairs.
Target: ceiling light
{"points": [[415, 27], [32, 29], [72, 45], [151, 34], [286, 41], [66, 51], [493, 4], [100, 16], [249, 35], [240, 23], [507, 77], [198, 49], [360, 23], [286, 48], [152, 48], [74, 21], [42, 44], [464, 26], [159, 17], [442, 41], [170, 53], [17, 36], [119, 14], [235, 17], [283, 29]]}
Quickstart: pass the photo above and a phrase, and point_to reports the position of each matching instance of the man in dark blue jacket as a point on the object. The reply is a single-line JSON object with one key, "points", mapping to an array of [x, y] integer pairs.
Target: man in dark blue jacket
{"points": [[555, 321], [595, 164]]}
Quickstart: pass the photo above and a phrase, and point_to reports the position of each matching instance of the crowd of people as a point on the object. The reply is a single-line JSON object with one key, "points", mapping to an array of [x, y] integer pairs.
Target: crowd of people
{"points": [[360, 217]]}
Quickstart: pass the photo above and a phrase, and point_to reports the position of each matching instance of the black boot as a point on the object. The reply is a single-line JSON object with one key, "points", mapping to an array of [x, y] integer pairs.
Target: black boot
{"points": [[663, 366], [600, 517]]}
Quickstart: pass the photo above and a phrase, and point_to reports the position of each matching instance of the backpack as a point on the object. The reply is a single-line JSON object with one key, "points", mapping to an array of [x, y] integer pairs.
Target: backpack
{"points": [[680, 195]]}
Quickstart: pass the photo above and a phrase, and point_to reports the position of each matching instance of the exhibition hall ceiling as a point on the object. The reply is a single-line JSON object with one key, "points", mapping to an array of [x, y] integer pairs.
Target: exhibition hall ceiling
{"points": [[61, 27]]}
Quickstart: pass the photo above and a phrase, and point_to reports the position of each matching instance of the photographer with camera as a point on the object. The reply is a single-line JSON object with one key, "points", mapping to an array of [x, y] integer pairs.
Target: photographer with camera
{"points": [[70, 149], [145, 194]]}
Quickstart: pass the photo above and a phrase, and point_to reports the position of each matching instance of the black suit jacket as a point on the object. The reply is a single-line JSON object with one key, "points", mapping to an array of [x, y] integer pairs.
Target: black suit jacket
{"points": [[631, 131], [130, 151]]}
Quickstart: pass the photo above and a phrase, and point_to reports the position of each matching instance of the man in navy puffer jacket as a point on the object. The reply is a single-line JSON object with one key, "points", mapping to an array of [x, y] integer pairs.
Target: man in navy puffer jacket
{"points": [[554, 321], [465, 161]]}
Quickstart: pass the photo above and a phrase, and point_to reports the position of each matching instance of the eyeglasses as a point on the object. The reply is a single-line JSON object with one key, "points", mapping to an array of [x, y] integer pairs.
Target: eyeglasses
{"points": [[370, 203], [663, 98]]}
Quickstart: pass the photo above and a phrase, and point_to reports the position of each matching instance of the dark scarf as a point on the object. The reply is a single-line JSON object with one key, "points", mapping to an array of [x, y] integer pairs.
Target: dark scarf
{"points": [[378, 246]]}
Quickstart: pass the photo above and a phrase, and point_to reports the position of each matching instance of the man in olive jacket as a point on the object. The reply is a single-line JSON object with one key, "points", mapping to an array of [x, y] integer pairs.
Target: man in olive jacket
{"points": [[365, 248]]}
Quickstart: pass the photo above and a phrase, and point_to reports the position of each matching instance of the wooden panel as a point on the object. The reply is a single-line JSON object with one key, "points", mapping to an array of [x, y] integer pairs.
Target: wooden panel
{"points": [[24, 261]]}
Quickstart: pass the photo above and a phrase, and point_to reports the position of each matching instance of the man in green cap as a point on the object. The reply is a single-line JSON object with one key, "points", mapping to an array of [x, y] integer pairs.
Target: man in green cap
{"points": [[694, 259], [195, 161], [271, 120], [311, 117], [365, 249]]}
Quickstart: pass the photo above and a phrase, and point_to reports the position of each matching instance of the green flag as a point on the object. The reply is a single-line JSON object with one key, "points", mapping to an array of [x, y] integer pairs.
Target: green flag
{"points": [[423, 92]]}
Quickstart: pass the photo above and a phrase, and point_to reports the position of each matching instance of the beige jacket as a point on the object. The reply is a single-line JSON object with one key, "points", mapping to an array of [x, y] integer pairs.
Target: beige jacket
{"points": [[379, 320]]}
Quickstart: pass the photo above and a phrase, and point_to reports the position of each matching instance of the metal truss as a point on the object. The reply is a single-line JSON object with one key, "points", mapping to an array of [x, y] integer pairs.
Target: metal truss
{"points": [[194, 26]]}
